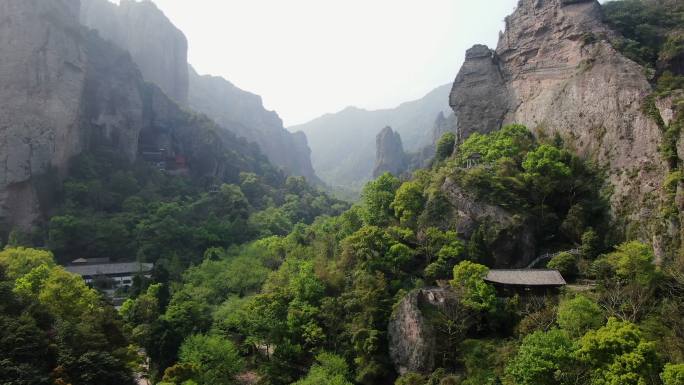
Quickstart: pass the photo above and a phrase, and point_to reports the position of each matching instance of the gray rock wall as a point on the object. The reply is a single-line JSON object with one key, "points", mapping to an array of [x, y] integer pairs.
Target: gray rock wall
{"points": [[42, 73], [64, 90], [244, 114], [158, 48], [560, 74]]}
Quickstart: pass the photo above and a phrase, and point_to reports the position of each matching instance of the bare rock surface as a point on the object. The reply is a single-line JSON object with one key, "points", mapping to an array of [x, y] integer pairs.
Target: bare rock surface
{"points": [[560, 74], [479, 96], [158, 48], [42, 73], [64, 90]]}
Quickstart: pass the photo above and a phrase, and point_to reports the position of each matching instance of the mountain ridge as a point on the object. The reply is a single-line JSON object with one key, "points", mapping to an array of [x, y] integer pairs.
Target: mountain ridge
{"points": [[343, 143], [160, 50]]}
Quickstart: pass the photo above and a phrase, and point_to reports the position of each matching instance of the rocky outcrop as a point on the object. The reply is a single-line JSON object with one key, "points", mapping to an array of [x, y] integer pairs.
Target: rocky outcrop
{"points": [[343, 144], [244, 114], [412, 337], [508, 238], [390, 153], [444, 124], [156, 45], [64, 90], [555, 71], [479, 95], [160, 51], [42, 75], [391, 157]]}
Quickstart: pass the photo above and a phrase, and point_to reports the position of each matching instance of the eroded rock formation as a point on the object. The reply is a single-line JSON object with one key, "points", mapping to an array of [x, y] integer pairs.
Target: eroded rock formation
{"points": [[412, 336], [390, 153], [244, 114], [64, 90], [555, 71], [158, 48]]}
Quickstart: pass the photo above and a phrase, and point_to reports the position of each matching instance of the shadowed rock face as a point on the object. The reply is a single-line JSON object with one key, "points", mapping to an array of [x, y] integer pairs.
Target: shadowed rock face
{"points": [[64, 90], [156, 45], [244, 114], [555, 71], [511, 239], [390, 153], [42, 73]]}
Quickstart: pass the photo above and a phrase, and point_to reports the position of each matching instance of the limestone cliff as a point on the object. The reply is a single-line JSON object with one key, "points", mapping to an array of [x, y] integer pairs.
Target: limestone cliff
{"points": [[156, 45], [42, 75], [160, 51], [64, 90], [244, 114], [390, 153], [555, 71]]}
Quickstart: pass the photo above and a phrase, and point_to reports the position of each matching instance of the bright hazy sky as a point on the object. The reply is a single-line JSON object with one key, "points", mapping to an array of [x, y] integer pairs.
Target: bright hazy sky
{"points": [[311, 57]]}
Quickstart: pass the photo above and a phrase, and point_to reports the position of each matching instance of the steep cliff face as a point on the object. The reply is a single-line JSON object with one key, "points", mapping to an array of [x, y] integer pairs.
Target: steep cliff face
{"points": [[555, 71], [156, 45], [160, 51], [64, 90], [244, 114], [42, 74], [479, 94], [390, 153]]}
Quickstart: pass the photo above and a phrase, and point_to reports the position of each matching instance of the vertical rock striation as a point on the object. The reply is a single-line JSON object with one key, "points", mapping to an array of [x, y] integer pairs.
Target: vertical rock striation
{"points": [[42, 74], [555, 71], [158, 48], [479, 95], [64, 91]]}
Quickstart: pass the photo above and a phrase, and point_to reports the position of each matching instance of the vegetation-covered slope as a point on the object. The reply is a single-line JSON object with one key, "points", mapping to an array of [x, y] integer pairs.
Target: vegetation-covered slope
{"points": [[329, 296], [260, 279]]}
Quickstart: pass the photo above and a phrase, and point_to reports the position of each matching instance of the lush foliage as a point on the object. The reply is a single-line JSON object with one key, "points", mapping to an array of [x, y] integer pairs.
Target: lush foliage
{"points": [[651, 29], [54, 328], [121, 211], [254, 283]]}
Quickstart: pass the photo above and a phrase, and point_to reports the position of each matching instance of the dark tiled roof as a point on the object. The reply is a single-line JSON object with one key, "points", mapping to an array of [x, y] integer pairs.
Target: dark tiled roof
{"points": [[91, 261], [528, 277], [110, 268]]}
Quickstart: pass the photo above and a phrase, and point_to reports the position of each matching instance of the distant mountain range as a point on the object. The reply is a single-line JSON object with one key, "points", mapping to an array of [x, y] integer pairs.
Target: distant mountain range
{"points": [[343, 145]]}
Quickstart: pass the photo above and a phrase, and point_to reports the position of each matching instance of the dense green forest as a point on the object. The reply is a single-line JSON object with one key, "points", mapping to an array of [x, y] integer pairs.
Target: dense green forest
{"points": [[313, 306], [266, 280]]}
